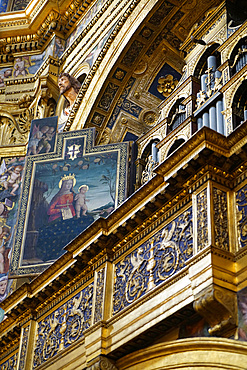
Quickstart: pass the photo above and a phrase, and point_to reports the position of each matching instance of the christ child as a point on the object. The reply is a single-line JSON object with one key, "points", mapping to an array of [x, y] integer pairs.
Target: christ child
{"points": [[80, 201]]}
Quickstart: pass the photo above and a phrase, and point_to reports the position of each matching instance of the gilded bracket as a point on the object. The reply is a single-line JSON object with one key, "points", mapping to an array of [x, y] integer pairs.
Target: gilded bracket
{"points": [[219, 308], [101, 363]]}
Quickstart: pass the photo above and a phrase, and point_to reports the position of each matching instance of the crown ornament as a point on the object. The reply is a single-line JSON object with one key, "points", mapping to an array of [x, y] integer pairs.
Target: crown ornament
{"points": [[67, 177]]}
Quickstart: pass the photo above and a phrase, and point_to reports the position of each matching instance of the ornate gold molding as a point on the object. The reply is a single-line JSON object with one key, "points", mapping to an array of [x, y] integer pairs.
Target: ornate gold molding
{"points": [[101, 363]]}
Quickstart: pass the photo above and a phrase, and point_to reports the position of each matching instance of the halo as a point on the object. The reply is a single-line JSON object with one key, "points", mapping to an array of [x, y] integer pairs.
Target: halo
{"points": [[83, 186]]}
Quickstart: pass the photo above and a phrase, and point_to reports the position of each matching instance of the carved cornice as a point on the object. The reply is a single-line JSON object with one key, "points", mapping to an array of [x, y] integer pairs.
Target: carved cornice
{"points": [[206, 138], [9, 351], [56, 17]]}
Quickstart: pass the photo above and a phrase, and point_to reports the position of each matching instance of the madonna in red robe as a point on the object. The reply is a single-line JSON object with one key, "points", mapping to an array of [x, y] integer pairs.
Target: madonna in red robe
{"points": [[61, 206]]}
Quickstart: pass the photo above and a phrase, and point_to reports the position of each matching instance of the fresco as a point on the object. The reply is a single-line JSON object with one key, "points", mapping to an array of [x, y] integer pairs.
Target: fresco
{"points": [[42, 136], [28, 65], [59, 47], [63, 193], [10, 187], [84, 22], [242, 314], [92, 56]]}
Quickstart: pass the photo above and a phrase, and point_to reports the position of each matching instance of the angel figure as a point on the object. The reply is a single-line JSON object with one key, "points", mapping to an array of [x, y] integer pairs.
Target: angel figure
{"points": [[37, 135], [11, 178]]}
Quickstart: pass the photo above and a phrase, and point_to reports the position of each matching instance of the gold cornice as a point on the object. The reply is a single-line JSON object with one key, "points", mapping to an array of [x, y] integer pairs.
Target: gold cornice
{"points": [[37, 21], [205, 138], [13, 151]]}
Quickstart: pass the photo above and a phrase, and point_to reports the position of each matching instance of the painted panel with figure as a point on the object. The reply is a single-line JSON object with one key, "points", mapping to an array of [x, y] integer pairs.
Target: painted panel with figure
{"points": [[42, 136], [10, 188], [63, 193]]}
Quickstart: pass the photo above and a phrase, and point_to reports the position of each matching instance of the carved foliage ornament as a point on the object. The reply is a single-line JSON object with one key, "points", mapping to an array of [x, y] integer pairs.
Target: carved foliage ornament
{"points": [[64, 326], [103, 363], [11, 363], [148, 172], [13, 131], [220, 219], [24, 347], [202, 220], [154, 261], [98, 314], [241, 203]]}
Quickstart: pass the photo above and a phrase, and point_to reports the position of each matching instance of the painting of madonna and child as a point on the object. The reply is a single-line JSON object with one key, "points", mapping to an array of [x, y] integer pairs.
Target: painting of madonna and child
{"points": [[66, 191]]}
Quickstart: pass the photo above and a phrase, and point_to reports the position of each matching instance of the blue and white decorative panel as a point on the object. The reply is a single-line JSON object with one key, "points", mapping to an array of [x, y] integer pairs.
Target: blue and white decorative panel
{"points": [[154, 261], [64, 326], [24, 344], [10, 364]]}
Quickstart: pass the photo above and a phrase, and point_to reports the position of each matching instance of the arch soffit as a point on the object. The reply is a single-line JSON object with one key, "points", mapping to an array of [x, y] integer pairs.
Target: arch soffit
{"points": [[188, 352], [151, 139], [111, 58], [170, 144], [169, 106], [83, 68], [232, 45]]}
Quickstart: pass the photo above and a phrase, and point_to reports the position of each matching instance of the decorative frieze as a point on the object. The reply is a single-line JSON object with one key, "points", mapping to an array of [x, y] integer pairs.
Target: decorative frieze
{"points": [[10, 364], [64, 326], [202, 220], [220, 219], [241, 203], [154, 261]]}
